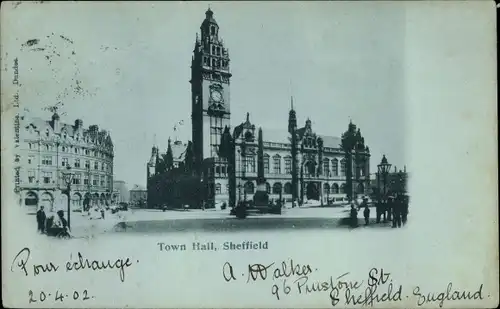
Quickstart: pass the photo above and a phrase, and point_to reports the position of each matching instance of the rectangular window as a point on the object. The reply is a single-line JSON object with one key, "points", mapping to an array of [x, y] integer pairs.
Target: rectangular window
{"points": [[47, 177], [95, 180], [96, 165], [277, 164], [326, 167], [47, 161], [31, 176], [77, 179], [335, 167], [86, 180], [288, 165], [266, 164], [77, 163], [342, 168], [103, 166], [102, 181], [31, 159], [64, 162], [87, 164]]}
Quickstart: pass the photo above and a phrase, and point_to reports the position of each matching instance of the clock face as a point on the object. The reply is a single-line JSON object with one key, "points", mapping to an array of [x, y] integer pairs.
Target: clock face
{"points": [[216, 96]]}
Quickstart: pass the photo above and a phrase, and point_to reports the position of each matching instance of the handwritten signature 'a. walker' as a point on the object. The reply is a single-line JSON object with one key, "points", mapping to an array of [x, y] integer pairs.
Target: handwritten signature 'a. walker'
{"points": [[20, 263]]}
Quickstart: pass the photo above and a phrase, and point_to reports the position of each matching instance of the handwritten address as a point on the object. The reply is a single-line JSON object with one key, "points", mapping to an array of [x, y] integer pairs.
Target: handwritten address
{"points": [[289, 277]]}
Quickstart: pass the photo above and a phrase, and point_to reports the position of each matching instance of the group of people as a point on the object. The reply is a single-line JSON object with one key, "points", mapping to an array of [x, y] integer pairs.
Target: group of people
{"points": [[55, 225], [394, 208]]}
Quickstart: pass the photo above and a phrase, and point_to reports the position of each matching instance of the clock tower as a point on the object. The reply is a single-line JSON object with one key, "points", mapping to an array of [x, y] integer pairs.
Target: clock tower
{"points": [[210, 77]]}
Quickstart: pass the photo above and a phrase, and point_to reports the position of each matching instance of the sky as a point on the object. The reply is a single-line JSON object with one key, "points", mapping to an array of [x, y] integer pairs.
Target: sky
{"points": [[126, 67]]}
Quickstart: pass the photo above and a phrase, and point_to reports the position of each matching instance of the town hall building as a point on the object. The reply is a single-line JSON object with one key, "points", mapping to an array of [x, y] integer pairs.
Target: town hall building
{"points": [[319, 171]]}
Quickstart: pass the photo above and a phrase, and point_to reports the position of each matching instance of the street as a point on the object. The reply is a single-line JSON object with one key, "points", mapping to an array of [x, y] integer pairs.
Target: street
{"points": [[157, 221]]}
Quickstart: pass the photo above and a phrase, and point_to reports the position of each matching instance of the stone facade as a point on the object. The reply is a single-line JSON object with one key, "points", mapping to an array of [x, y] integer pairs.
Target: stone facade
{"points": [[319, 169], [47, 147]]}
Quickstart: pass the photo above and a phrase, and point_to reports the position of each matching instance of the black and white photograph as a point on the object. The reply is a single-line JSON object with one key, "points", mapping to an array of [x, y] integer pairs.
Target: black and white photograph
{"points": [[193, 154]]}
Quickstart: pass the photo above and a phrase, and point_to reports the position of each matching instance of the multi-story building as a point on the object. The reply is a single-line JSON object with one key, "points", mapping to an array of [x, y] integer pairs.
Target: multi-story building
{"points": [[48, 147], [121, 192], [316, 168], [138, 195]]}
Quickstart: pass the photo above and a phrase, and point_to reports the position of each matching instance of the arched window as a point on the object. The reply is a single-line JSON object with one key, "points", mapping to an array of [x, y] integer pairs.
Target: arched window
{"points": [[277, 188], [268, 188], [217, 170], [277, 164], [335, 167], [266, 163], [249, 187], [335, 188], [310, 168], [326, 188], [217, 188], [342, 167], [288, 188], [361, 188], [343, 188]]}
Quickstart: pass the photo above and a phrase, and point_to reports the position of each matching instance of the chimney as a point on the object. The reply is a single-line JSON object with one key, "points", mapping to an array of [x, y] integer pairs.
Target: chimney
{"points": [[55, 123]]}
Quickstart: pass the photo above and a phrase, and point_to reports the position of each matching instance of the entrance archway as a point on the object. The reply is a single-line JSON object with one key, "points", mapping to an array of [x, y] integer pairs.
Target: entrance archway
{"points": [[76, 201], [47, 201], [312, 191], [31, 200]]}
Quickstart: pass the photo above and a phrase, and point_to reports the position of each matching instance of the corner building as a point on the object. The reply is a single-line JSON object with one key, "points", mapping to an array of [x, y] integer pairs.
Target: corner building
{"points": [[47, 147], [319, 167]]}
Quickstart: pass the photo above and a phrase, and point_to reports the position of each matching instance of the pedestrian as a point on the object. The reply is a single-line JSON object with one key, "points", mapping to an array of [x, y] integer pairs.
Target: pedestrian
{"points": [[391, 208], [354, 216], [64, 224], [404, 212], [398, 209], [377, 209], [40, 219], [366, 213], [102, 213]]}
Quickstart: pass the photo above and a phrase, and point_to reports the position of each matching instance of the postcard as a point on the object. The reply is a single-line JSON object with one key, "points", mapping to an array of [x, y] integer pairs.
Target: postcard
{"points": [[249, 154]]}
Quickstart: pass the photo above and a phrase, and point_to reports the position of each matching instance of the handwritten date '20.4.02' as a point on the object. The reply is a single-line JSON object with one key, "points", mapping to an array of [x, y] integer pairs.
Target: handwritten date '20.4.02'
{"points": [[58, 296]]}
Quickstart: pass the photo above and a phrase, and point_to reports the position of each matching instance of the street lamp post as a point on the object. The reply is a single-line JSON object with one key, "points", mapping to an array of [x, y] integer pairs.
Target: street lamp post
{"points": [[68, 178], [239, 192], [384, 168]]}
